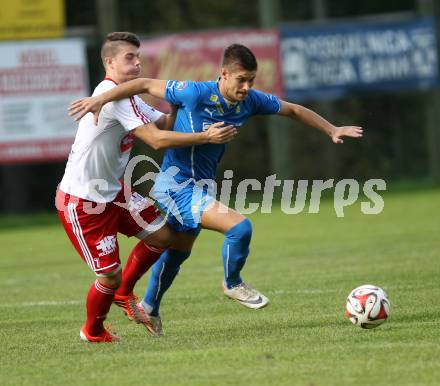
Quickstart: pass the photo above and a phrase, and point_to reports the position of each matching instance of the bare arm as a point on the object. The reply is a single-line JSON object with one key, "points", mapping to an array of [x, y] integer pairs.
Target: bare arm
{"points": [[162, 139], [81, 107], [155, 87], [166, 122], [313, 119]]}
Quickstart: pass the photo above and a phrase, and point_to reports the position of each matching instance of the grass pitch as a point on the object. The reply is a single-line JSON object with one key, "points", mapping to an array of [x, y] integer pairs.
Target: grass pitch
{"points": [[306, 264]]}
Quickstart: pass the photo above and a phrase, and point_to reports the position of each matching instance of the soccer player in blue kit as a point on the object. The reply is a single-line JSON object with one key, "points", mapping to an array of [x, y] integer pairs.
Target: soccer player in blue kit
{"points": [[181, 191]]}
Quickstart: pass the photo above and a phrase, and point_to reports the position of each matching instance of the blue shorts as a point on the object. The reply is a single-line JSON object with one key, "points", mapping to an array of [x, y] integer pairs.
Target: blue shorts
{"points": [[183, 204]]}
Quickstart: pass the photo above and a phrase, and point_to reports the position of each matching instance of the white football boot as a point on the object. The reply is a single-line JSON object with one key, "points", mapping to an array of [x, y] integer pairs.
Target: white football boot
{"points": [[156, 321], [246, 296]]}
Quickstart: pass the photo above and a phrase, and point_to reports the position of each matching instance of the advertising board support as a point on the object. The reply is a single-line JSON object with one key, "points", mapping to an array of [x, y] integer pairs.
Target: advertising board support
{"points": [[107, 16], [326, 108], [280, 130], [428, 8]]}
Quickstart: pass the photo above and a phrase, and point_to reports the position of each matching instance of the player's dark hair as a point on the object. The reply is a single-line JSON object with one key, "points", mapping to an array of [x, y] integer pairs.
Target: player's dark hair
{"points": [[113, 40], [237, 54]]}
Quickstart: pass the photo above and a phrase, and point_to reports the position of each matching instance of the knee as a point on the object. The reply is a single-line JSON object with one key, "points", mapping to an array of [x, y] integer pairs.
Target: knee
{"points": [[111, 281], [160, 244], [246, 229], [241, 231], [183, 242], [162, 239]]}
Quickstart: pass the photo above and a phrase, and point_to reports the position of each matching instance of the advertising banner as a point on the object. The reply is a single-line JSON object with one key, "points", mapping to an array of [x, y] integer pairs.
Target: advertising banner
{"points": [[332, 61], [38, 80], [24, 19], [197, 56]]}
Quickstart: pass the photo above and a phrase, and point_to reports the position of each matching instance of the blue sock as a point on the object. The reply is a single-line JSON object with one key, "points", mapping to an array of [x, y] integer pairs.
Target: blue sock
{"points": [[235, 250], [162, 275]]}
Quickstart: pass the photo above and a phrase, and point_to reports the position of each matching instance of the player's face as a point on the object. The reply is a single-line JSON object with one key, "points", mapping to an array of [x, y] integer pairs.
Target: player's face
{"points": [[126, 64], [237, 82]]}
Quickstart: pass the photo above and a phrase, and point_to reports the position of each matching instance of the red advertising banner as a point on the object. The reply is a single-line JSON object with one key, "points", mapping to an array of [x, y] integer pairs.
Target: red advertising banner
{"points": [[197, 56], [32, 151]]}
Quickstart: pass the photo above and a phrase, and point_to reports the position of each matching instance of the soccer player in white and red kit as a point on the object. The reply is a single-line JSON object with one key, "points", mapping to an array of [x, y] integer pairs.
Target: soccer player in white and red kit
{"points": [[90, 199]]}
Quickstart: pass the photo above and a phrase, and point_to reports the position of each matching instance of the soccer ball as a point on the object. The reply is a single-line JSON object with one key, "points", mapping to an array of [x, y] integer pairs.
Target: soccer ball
{"points": [[368, 306]]}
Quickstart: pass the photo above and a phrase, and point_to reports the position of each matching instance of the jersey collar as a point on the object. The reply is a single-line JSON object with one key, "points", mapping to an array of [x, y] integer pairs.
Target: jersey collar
{"points": [[108, 78]]}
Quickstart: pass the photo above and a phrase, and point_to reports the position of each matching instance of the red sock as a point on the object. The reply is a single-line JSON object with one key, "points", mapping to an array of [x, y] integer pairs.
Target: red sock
{"points": [[99, 300], [141, 258]]}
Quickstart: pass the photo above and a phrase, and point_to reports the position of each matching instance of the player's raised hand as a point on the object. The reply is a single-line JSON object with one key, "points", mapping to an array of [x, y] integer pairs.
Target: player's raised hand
{"points": [[219, 133], [346, 131], [81, 107]]}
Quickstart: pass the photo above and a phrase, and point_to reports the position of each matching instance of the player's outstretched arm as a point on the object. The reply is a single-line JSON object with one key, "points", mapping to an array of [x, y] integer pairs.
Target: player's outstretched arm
{"points": [[81, 107], [313, 119], [217, 133], [166, 122]]}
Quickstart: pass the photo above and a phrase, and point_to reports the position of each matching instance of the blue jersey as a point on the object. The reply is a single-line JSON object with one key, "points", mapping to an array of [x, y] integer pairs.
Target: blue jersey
{"points": [[200, 105]]}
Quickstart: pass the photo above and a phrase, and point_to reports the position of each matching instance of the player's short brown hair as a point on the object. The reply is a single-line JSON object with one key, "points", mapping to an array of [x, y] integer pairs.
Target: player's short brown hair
{"points": [[113, 40], [237, 54]]}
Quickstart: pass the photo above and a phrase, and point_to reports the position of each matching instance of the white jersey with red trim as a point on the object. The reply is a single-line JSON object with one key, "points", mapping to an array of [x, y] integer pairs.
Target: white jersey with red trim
{"points": [[100, 153]]}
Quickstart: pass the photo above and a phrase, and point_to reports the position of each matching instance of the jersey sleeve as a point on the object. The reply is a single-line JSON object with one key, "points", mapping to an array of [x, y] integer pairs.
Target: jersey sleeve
{"points": [[128, 113], [150, 112], [185, 93], [265, 103]]}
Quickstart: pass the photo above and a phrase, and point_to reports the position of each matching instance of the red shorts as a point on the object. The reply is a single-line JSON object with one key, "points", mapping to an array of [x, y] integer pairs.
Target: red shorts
{"points": [[92, 228]]}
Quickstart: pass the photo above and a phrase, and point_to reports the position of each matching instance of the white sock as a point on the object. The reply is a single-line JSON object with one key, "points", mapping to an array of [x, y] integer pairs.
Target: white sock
{"points": [[147, 308]]}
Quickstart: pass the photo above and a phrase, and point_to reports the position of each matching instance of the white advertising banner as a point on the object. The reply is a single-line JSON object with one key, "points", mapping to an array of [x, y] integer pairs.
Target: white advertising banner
{"points": [[38, 80]]}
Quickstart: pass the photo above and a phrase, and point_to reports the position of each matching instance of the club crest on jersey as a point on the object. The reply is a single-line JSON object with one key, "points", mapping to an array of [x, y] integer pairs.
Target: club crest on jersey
{"points": [[127, 142], [213, 98], [107, 245], [181, 86]]}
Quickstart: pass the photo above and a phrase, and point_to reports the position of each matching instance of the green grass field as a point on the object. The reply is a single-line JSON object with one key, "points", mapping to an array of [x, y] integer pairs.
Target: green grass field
{"points": [[306, 264]]}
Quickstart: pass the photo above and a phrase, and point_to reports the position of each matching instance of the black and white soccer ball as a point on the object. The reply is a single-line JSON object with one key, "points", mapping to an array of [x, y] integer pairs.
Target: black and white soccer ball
{"points": [[368, 306]]}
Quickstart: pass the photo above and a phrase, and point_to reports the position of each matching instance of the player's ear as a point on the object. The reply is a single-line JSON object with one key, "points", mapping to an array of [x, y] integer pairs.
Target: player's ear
{"points": [[224, 73], [108, 60]]}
